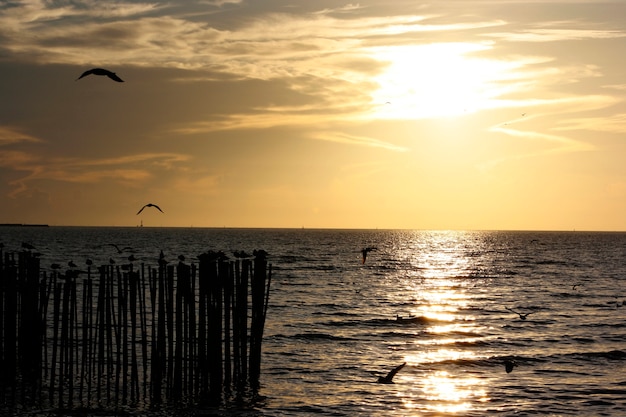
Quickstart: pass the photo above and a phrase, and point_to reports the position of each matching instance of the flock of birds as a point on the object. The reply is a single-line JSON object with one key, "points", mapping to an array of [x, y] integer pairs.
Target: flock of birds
{"points": [[75, 271]]}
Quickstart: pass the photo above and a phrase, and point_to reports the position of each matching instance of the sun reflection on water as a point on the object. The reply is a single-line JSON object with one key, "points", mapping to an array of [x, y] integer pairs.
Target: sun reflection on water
{"points": [[449, 394], [443, 297]]}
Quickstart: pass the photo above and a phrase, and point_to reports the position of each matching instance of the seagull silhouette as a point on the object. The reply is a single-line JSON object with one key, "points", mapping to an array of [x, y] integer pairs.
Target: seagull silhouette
{"points": [[27, 246], [365, 251], [117, 248], [388, 379], [522, 316], [509, 365], [101, 71], [150, 205]]}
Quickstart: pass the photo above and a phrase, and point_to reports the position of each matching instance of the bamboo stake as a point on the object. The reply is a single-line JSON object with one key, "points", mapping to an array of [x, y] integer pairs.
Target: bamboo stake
{"points": [[99, 332], [228, 277], [10, 327], [169, 337], [144, 328], [55, 339], [193, 359], [133, 278]]}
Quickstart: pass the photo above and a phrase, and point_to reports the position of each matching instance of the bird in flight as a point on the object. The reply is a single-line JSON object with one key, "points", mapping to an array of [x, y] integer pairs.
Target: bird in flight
{"points": [[522, 316], [150, 205], [117, 248], [388, 379], [101, 71], [509, 365], [27, 246], [365, 251]]}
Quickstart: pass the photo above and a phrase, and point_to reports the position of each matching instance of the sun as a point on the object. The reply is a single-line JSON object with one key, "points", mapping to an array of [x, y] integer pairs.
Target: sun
{"points": [[437, 80]]}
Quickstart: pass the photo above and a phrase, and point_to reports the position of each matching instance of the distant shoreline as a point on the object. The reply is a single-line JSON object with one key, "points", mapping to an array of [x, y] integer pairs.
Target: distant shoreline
{"points": [[22, 225]]}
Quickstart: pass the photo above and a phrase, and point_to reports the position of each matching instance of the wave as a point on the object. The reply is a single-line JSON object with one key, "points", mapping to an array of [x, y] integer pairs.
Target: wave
{"points": [[321, 336], [522, 361]]}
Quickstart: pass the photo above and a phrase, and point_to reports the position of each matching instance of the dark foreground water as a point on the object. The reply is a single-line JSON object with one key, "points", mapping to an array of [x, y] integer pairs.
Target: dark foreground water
{"points": [[332, 325]]}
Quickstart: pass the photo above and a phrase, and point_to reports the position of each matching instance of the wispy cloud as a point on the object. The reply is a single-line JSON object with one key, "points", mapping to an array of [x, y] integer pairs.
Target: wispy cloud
{"points": [[358, 140], [130, 170], [12, 135], [615, 123], [566, 146], [550, 144], [556, 35], [343, 9]]}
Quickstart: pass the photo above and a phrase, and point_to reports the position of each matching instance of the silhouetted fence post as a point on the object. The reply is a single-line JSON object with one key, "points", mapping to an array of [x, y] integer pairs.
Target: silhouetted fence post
{"points": [[260, 284], [9, 334], [30, 323]]}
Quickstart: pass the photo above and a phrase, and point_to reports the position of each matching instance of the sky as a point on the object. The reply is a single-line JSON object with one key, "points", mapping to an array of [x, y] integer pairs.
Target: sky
{"points": [[400, 114]]}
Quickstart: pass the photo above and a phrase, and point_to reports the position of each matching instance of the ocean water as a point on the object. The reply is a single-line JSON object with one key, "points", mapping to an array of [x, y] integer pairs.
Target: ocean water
{"points": [[332, 326]]}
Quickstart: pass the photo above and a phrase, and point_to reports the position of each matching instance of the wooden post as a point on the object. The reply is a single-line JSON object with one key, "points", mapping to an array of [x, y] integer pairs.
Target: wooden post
{"points": [[55, 340], [203, 290], [10, 326], [133, 281], [193, 341], [227, 280], [258, 317]]}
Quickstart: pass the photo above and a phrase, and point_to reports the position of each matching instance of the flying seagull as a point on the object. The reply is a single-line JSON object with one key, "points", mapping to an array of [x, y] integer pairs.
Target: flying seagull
{"points": [[27, 245], [150, 205], [388, 379], [365, 251], [117, 248], [509, 365], [101, 71], [522, 316]]}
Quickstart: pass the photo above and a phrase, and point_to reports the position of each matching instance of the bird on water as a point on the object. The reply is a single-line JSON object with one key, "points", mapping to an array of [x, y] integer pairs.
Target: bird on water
{"points": [[101, 71], [150, 205], [388, 379]]}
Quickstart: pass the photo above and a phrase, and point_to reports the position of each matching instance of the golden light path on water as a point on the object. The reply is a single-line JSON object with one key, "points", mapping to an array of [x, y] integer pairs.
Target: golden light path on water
{"points": [[439, 296]]}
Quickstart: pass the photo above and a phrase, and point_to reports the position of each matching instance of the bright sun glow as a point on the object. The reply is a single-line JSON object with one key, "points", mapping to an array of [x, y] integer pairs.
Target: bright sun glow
{"points": [[446, 394], [436, 80]]}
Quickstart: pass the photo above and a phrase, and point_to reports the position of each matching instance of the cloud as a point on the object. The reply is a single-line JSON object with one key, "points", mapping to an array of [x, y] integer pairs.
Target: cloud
{"points": [[620, 87], [358, 140], [219, 3], [10, 135], [131, 171], [615, 123], [562, 144], [350, 7], [269, 45], [556, 35]]}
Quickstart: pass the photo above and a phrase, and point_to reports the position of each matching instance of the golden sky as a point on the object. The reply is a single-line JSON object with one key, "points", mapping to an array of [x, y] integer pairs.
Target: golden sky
{"points": [[371, 114]]}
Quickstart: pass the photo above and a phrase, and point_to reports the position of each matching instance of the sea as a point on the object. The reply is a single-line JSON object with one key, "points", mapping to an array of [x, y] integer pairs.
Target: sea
{"points": [[454, 306]]}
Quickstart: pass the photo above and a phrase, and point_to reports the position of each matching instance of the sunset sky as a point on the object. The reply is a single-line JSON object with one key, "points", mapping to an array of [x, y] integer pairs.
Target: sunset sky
{"points": [[317, 114]]}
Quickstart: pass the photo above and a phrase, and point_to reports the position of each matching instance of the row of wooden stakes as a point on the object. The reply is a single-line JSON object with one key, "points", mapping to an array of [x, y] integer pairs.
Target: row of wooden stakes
{"points": [[138, 337]]}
